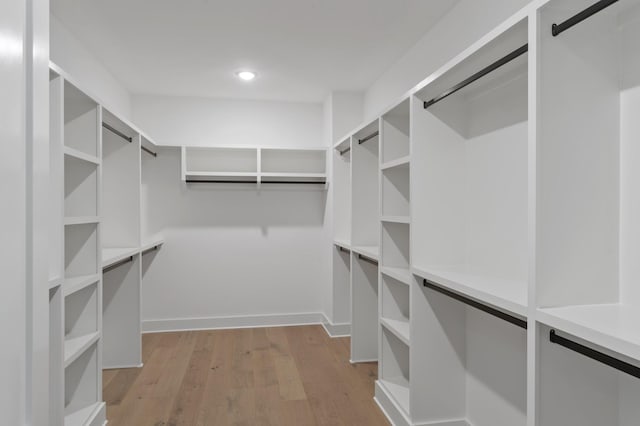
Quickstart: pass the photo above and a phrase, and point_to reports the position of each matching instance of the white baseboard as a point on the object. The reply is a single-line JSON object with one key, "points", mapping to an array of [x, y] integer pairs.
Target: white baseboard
{"points": [[218, 323], [337, 330], [122, 367]]}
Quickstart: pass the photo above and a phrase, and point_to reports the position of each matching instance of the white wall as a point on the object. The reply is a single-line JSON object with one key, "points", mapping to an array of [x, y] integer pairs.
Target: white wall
{"points": [[74, 58], [177, 121], [230, 250], [457, 30]]}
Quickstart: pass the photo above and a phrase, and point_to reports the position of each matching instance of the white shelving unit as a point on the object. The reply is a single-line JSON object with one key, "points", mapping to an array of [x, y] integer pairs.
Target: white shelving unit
{"points": [[75, 294], [365, 239], [254, 165], [588, 223], [393, 388]]}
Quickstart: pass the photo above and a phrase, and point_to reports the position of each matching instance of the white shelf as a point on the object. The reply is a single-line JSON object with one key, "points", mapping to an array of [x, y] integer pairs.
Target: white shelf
{"points": [[400, 274], [73, 284], [81, 220], [298, 177], [506, 295], [396, 219], [398, 389], [76, 346], [400, 162], [372, 252], [70, 152], [151, 243], [55, 282], [400, 328], [611, 326], [342, 243], [113, 255], [84, 416], [249, 177]]}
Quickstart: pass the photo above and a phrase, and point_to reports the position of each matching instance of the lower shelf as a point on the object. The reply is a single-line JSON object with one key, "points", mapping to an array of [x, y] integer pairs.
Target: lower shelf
{"points": [[76, 346], [93, 415], [611, 326], [398, 327]]}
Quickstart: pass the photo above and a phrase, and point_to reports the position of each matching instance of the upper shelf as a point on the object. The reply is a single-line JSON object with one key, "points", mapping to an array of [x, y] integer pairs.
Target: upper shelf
{"points": [[254, 165]]}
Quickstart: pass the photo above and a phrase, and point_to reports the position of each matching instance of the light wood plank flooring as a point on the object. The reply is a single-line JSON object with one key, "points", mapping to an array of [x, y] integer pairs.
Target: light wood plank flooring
{"points": [[263, 376]]}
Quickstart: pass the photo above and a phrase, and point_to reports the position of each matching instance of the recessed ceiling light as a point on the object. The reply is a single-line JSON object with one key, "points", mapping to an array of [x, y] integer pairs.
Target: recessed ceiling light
{"points": [[246, 75]]}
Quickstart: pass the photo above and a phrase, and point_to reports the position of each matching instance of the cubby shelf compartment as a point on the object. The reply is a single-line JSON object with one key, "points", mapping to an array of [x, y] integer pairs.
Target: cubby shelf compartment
{"points": [[395, 126], [76, 346], [610, 326], [402, 162], [395, 370], [400, 328], [79, 155], [396, 219], [81, 220], [92, 415], [402, 275], [74, 284], [364, 308], [81, 116]]}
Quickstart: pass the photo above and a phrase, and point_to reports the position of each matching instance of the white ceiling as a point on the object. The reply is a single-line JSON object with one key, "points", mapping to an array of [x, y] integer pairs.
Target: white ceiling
{"points": [[301, 49]]}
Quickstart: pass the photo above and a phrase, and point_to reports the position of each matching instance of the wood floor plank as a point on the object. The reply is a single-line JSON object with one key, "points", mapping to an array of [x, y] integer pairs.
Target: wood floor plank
{"points": [[279, 376]]}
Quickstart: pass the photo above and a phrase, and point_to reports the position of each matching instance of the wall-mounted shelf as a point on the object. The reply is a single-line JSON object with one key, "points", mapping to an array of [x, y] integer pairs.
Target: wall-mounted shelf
{"points": [[113, 255], [372, 252], [254, 165]]}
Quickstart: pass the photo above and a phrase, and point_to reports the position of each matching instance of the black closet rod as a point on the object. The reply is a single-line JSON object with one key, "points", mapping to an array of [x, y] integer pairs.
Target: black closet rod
{"points": [[557, 29], [366, 138], [344, 151], [150, 249], [344, 249], [368, 259], [116, 132], [494, 66], [619, 365], [467, 301], [148, 151], [284, 182], [119, 263]]}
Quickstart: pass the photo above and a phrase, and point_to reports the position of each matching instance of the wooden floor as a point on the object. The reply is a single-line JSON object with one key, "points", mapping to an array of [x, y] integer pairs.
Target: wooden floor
{"points": [[264, 376]]}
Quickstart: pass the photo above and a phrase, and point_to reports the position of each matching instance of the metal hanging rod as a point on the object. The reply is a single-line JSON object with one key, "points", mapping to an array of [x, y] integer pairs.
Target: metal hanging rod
{"points": [[616, 363], [487, 70], [115, 265], [344, 151], [367, 259], [366, 138], [148, 151], [296, 182], [340, 248], [475, 304], [557, 29], [116, 132]]}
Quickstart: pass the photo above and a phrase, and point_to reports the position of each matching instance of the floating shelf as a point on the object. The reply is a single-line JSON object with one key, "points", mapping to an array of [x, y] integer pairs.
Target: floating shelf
{"points": [[402, 275], [507, 295], [611, 326], [71, 285], [111, 256], [76, 346], [400, 328]]}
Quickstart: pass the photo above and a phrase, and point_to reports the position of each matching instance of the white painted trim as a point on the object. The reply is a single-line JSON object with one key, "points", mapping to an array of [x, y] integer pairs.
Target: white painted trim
{"points": [[218, 323], [360, 361], [337, 330], [122, 367]]}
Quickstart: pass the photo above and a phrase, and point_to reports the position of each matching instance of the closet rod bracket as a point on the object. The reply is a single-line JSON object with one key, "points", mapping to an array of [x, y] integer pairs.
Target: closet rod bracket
{"points": [[557, 29]]}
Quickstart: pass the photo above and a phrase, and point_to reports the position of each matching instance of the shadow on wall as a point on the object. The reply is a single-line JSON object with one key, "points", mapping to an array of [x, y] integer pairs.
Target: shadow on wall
{"points": [[168, 202]]}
